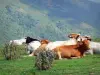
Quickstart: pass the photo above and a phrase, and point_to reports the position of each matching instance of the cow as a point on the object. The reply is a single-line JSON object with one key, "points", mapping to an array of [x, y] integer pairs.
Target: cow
{"points": [[44, 43], [17, 41], [34, 44], [72, 41], [94, 46], [71, 51]]}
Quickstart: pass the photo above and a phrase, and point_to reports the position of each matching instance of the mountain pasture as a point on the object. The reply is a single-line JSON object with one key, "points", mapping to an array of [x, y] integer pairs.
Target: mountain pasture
{"points": [[52, 20]]}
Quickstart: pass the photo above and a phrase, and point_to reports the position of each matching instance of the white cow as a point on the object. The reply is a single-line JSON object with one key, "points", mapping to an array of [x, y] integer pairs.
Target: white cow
{"points": [[72, 41], [94, 47], [17, 42], [53, 45], [32, 46]]}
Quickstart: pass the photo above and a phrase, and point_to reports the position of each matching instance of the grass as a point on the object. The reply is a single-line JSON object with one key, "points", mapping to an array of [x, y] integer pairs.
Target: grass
{"points": [[89, 65]]}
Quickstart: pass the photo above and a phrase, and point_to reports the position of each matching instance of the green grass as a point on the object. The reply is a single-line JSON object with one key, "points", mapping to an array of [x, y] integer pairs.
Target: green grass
{"points": [[89, 65]]}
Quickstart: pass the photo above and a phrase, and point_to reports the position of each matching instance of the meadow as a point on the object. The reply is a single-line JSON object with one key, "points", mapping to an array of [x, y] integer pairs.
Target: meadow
{"points": [[88, 65]]}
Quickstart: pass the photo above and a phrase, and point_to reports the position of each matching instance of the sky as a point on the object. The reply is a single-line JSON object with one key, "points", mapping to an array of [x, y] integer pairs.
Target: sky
{"points": [[97, 1]]}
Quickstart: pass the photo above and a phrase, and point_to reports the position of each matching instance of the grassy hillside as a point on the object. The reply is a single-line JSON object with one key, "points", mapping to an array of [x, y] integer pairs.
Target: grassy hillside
{"points": [[40, 19]]}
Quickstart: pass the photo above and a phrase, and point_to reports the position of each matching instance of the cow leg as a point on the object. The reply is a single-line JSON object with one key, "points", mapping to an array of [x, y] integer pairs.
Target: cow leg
{"points": [[59, 55], [32, 54], [84, 54], [91, 52], [28, 52], [76, 57]]}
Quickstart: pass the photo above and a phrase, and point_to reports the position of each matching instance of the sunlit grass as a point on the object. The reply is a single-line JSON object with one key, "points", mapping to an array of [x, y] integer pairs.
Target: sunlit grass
{"points": [[89, 65]]}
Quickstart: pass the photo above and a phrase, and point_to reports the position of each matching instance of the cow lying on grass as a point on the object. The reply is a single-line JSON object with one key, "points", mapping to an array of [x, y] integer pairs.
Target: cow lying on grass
{"points": [[17, 41], [72, 41], [94, 46], [71, 51], [44, 43]]}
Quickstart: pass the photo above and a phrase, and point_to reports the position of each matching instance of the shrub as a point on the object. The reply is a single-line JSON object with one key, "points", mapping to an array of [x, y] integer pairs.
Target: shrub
{"points": [[44, 59], [10, 52]]}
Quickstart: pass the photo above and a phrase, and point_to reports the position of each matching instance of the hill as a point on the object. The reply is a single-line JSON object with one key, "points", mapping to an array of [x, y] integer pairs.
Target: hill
{"points": [[50, 19]]}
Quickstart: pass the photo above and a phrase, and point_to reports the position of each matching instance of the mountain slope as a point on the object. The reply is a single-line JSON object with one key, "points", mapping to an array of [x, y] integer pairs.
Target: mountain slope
{"points": [[50, 19]]}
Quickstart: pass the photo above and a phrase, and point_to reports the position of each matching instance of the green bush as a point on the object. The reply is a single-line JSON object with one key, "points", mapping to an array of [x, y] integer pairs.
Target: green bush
{"points": [[11, 52], [44, 59]]}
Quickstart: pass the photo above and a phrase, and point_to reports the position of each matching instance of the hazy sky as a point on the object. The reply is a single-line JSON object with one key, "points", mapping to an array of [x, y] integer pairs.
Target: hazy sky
{"points": [[98, 1]]}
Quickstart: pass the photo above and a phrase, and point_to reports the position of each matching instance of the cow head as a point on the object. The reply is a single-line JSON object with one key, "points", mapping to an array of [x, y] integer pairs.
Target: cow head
{"points": [[29, 39], [74, 35], [88, 38], [44, 41]]}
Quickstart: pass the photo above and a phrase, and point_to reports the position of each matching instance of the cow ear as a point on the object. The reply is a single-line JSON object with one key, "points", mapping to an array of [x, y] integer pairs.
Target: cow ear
{"points": [[69, 36], [77, 36], [88, 38]]}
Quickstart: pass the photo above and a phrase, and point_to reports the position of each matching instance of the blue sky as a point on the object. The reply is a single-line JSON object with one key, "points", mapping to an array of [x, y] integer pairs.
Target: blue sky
{"points": [[97, 1]]}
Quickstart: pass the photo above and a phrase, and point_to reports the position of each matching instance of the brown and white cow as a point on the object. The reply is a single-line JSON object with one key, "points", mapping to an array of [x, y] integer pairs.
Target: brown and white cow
{"points": [[70, 51], [44, 43], [72, 41]]}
